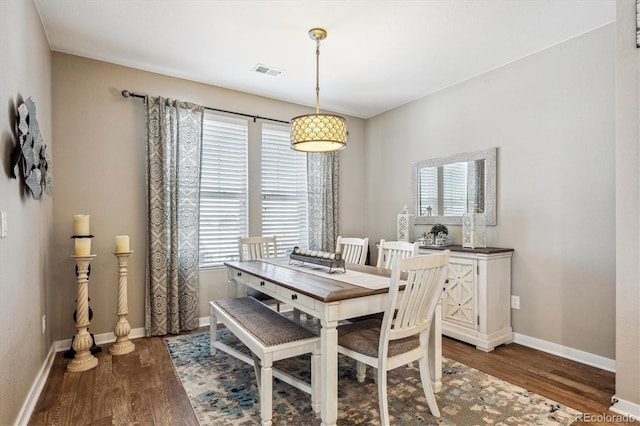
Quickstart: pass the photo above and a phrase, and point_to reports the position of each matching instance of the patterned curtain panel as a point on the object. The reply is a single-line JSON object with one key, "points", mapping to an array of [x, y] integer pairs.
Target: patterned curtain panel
{"points": [[174, 143], [323, 171], [475, 185]]}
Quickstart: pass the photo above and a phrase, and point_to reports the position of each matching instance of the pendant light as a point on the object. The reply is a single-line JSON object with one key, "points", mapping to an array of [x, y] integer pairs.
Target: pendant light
{"points": [[318, 132]]}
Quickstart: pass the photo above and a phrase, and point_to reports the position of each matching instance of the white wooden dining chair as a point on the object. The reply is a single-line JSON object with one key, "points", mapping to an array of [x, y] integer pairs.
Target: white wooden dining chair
{"points": [[389, 250], [253, 248], [353, 250], [403, 334]]}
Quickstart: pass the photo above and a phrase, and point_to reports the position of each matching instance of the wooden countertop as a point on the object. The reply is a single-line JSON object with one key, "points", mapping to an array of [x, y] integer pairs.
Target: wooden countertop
{"points": [[486, 250], [324, 289]]}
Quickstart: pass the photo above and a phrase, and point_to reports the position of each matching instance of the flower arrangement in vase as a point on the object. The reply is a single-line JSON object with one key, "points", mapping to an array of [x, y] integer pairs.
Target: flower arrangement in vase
{"points": [[440, 235]]}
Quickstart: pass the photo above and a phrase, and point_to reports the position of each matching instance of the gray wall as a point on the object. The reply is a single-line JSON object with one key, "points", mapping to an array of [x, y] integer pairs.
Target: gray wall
{"points": [[100, 171], [25, 262], [627, 208], [551, 115]]}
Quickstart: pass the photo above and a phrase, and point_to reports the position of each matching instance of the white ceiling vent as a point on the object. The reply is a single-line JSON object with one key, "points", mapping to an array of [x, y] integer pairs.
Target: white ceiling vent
{"points": [[264, 69]]}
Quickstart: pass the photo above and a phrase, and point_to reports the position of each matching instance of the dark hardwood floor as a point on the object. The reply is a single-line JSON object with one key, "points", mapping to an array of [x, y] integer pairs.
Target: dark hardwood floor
{"points": [[142, 387], [582, 387]]}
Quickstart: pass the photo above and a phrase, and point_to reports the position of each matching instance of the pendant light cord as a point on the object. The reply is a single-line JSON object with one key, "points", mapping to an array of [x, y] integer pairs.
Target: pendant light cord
{"points": [[317, 76]]}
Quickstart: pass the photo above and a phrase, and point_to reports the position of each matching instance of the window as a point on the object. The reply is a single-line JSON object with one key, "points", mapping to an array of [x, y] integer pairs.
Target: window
{"points": [[284, 190], [447, 183], [223, 189], [428, 191], [454, 182]]}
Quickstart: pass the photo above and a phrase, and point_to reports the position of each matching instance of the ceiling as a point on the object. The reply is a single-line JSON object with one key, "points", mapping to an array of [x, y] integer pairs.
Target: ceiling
{"points": [[378, 54]]}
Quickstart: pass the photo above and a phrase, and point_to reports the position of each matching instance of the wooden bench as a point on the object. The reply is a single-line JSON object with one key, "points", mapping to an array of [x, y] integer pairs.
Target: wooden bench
{"points": [[270, 336]]}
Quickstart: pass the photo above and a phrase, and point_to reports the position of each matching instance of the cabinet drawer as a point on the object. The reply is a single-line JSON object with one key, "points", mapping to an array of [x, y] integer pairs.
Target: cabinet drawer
{"points": [[260, 284], [293, 297], [255, 282]]}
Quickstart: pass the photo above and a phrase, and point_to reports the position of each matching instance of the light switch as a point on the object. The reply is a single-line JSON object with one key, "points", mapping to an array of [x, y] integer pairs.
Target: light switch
{"points": [[3, 224]]}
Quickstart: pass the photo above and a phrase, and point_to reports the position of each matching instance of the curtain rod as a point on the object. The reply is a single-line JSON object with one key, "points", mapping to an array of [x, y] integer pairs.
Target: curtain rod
{"points": [[128, 94]]}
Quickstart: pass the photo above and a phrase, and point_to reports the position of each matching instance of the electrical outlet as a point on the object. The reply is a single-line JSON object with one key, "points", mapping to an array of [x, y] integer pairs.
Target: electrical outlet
{"points": [[3, 224], [44, 323], [515, 302]]}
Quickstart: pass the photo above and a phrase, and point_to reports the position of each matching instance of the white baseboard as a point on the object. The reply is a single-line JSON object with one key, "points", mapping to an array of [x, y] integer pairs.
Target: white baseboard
{"points": [[629, 411], [566, 352], [41, 378], [204, 322], [36, 389], [101, 339]]}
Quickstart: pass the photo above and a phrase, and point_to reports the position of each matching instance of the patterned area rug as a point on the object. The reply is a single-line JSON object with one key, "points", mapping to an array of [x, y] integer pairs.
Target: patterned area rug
{"points": [[223, 391]]}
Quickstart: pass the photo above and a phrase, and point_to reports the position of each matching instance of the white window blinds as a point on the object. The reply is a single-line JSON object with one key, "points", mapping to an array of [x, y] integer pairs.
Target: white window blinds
{"points": [[223, 189], [428, 196], [284, 190], [443, 189], [454, 182]]}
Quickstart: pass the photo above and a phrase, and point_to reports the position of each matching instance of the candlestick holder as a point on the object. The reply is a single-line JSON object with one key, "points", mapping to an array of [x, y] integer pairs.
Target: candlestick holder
{"points": [[82, 342], [71, 353], [122, 345]]}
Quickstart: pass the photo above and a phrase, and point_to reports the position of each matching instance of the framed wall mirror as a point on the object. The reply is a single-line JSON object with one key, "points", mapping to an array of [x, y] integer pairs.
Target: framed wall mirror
{"points": [[446, 188]]}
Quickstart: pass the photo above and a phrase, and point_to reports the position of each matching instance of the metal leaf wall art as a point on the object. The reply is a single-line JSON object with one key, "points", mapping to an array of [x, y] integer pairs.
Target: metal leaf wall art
{"points": [[31, 155]]}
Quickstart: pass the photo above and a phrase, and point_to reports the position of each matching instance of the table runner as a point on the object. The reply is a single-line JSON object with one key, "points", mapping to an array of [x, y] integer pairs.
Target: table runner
{"points": [[370, 281]]}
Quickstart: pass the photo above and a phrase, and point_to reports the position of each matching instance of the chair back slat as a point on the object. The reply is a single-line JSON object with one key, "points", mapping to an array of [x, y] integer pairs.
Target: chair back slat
{"points": [[353, 250], [411, 310], [390, 250], [253, 248]]}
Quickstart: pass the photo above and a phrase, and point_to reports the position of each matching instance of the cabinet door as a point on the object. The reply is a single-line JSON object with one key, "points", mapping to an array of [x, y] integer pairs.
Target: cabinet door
{"points": [[459, 297]]}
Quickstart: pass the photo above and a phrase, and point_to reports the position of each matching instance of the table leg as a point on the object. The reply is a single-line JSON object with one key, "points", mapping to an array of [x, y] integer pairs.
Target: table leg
{"points": [[329, 376], [236, 289]]}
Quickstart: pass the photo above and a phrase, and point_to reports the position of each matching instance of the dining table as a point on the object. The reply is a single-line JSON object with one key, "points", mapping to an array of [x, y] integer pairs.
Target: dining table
{"points": [[331, 296]]}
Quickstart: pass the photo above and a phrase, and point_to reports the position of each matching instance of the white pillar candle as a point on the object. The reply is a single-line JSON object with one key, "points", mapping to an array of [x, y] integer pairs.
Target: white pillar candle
{"points": [[82, 247], [122, 243], [81, 224]]}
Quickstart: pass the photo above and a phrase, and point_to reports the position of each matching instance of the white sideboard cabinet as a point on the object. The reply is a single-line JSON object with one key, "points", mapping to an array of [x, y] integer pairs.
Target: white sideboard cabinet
{"points": [[476, 305]]}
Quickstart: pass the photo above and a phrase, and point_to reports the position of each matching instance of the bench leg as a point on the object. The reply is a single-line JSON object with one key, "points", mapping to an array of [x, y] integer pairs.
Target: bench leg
{"points": [[258, 369], [266, 391], [213, 330], [361, 371]]}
